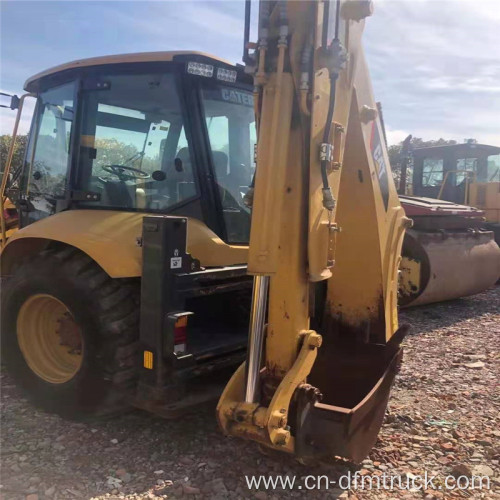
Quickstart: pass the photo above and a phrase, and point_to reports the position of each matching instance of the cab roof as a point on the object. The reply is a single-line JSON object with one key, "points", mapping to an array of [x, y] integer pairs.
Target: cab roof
{"points": [[459, 149], [139, 57]]}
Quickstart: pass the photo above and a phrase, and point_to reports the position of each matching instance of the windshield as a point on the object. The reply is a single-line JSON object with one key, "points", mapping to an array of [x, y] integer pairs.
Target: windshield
{"points": [[494, 168], [134, 152], [230, 122]]}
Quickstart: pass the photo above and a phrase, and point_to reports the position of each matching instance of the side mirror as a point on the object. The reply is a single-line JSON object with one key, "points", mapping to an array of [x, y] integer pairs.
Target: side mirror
{"points": [[14, 101], [67, 114]]}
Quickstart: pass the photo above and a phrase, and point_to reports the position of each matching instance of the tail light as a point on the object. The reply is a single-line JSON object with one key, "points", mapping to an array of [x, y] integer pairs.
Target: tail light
{"points": [[180, 335]]}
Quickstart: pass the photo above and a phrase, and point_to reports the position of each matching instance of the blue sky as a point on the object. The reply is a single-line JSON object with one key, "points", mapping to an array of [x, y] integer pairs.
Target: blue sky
{"points": [[435, 64]]}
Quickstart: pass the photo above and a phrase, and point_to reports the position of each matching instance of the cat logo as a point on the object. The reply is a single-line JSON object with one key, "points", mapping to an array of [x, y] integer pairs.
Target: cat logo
{"points": [[380, 163], [237, 97]]}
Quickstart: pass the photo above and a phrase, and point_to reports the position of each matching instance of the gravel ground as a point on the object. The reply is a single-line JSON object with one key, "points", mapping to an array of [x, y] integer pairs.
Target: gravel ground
{"points": [[442, 418]]}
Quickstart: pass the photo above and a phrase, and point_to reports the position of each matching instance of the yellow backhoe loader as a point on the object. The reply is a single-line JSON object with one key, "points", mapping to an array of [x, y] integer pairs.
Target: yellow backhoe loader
{"points": [[130, 278]]}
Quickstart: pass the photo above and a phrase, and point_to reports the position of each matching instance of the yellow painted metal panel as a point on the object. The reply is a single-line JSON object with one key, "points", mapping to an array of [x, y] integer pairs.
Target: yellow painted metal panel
{"points": [[319, 218], [272, 158], [486, 196], [492, 215], [289, 287], [363, 289], [112, 238]]}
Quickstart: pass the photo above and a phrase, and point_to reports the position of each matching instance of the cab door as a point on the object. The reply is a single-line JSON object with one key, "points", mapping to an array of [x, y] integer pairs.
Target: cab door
{"points": [[45, 179]]}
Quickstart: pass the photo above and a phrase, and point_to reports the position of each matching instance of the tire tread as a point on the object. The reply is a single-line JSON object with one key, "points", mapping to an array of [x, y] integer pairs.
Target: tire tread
{"points": [[115, 310]]}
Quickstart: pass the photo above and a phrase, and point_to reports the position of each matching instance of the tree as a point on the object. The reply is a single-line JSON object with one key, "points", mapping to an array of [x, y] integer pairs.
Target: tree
{"points": [[109, 152], [114, 152], [19, 150]]}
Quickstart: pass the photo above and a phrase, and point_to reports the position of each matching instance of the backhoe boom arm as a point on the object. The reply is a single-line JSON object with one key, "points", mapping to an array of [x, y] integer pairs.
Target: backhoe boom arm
{"points": [[327, 230]]}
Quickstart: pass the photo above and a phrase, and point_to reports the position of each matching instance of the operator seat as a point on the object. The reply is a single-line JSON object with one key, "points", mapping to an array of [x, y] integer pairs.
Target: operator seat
{"points": [[180, 177], [221, 161], [123, 195], [225, 180], [232, 180], [119, 194]]}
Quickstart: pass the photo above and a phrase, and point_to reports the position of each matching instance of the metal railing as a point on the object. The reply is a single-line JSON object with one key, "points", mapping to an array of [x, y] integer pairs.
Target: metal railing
{"points": [[469, 174]]}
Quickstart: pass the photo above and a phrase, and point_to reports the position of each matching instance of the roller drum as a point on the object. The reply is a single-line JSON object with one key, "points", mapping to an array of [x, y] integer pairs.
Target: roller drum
{"points": [[445, 265]]}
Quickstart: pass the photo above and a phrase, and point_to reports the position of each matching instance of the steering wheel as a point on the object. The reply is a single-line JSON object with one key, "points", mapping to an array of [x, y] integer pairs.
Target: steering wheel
{"points": [[125, 173]]}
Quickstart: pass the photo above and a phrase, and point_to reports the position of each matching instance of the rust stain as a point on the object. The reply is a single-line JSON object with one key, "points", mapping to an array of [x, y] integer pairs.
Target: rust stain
{"points": [[285, 313]]}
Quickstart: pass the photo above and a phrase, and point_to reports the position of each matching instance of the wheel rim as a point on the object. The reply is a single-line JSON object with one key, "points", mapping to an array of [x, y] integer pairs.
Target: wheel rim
{"points": [[49, 338]]}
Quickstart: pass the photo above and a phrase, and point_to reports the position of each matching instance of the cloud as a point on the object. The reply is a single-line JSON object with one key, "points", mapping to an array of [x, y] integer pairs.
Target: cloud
{"points": [[434, 63], [453, 83], [211, 19], [209, 26], [395, 136], [435, 67]]}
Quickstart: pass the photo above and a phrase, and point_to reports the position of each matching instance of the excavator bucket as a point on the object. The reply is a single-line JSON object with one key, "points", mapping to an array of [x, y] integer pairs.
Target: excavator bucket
{"points": [[447, 254], [337, 413], [348, 418]]}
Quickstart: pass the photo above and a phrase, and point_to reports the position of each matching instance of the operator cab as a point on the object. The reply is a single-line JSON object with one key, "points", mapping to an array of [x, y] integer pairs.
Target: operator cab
{"points": [[445, 172], [167, 132]]}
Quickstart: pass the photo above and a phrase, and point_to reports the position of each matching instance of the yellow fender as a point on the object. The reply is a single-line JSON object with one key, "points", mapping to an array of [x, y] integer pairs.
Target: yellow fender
{"points": [[112, 239]]}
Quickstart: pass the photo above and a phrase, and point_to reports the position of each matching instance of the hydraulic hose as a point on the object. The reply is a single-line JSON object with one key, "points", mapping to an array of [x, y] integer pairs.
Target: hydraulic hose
{"points": [[260, 75], [264, 15], [305, 75], [328, 200], [328, 127]]}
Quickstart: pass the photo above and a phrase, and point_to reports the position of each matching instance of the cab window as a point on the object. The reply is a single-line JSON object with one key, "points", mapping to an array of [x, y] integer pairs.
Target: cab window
{"points": [[432, 173], [48, 150], [230, 123], [493, 172], [465, 165], [134, 152]]}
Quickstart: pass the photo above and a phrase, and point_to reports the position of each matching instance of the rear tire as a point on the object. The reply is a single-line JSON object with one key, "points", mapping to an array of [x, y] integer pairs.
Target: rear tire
{"points": [[104, 311]]}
